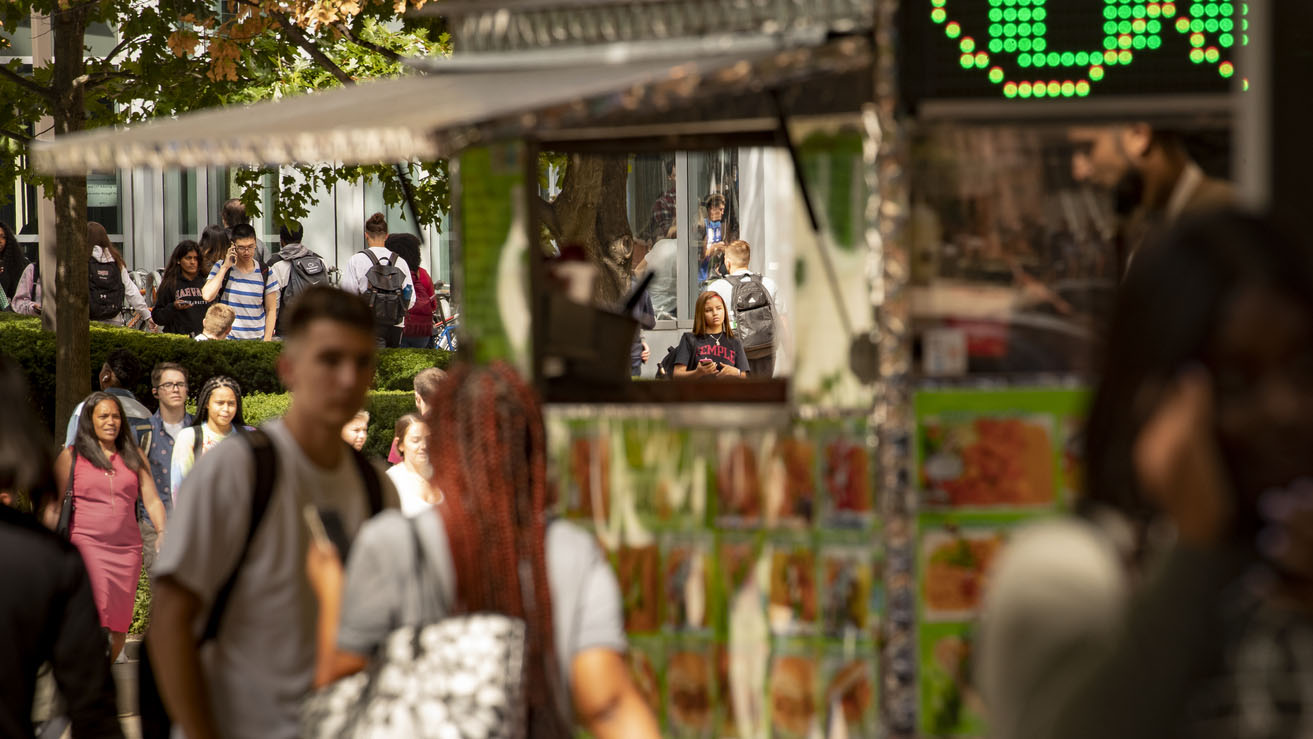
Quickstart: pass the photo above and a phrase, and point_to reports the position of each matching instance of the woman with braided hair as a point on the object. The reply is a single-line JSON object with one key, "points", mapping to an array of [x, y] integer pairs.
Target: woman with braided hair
{"points": [[489, 454], [218, 413]]}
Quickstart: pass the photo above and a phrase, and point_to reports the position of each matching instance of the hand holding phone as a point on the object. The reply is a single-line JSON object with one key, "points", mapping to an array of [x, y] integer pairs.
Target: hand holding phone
{"points": [[323, 568]]}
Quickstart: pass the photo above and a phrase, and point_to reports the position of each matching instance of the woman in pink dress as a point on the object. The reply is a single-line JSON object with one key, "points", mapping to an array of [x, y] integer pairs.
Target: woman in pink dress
{"points": [[109, 473]]}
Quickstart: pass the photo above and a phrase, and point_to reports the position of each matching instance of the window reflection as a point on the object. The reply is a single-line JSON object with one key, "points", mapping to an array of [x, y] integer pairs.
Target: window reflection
{"points": [[677, 217]]}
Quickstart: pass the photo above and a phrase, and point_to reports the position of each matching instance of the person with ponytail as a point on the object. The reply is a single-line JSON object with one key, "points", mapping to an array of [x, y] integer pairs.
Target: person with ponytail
{"points": [[490, 528], [218, 414]]}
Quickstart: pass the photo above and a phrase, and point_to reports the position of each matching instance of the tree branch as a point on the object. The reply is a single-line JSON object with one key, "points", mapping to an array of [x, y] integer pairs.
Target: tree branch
{"points": [[15, 136], [546, 213], [356, 39], [93, 80], [119, 47], [294, 32], [23, 82]]}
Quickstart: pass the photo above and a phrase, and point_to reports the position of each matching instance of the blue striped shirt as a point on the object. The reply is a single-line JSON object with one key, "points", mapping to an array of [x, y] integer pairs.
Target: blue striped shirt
{"points": [[244, 295]]}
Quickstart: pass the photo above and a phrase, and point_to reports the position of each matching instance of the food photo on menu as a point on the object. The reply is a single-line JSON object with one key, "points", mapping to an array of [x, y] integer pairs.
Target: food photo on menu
{"points": [[689, 696], [987, 461]]}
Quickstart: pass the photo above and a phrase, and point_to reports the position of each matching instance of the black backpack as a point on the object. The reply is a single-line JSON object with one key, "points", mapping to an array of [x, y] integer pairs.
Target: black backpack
{"points": [[754, 315], [666, 369], [385, 290], [304, 272], [105, 289], [155, 720]]}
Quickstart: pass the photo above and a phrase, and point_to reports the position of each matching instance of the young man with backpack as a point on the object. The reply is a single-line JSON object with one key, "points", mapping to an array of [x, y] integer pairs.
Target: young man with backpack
{"points": [[297, 269], [383, 279], [244, 283], [755, 311], [232, 637]]}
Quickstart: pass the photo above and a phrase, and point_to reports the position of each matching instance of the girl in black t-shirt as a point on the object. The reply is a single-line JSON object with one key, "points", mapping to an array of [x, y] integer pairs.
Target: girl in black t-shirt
{"points": [[710, 350]]}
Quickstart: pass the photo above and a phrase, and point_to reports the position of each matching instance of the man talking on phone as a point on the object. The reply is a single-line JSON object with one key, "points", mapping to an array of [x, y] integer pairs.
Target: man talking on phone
{"points": [[242, 282], [248, 677]]}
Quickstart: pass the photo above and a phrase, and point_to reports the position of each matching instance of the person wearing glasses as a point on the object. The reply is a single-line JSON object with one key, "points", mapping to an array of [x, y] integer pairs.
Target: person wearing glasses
{"points": [[243, 282], [168, 383]]}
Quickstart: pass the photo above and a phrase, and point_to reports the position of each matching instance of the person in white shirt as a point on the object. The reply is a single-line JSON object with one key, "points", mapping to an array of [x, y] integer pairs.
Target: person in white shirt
{"points": [[737, 256], [353, 277], [103, 252], [218, 323], [412, 474]]}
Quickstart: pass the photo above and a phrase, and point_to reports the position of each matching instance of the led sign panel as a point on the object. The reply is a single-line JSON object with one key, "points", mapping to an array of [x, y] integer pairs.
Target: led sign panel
{"points": [[1001, 50]]}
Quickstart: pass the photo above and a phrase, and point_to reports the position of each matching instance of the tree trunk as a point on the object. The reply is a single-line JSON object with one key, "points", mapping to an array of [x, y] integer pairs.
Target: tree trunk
{"points": [[590, 213], [72, 333]]}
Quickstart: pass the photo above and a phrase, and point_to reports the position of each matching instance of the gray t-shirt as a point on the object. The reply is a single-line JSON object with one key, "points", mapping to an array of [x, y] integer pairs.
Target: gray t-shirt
{"points": [[261, 664], [383, 592]]}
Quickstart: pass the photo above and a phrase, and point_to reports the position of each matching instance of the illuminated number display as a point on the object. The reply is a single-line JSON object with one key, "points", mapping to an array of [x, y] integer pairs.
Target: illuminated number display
{"points": [[1056, 49]]}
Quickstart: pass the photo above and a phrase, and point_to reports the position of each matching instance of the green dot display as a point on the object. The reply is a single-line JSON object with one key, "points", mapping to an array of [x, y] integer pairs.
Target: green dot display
{"points": [[1130, 35]]}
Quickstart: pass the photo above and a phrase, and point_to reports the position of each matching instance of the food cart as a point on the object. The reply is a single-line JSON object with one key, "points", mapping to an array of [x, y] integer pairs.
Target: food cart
{"points": [[798, 554]]}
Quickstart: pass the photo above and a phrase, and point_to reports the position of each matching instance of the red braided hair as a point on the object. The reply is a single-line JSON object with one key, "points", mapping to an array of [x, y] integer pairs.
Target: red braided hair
{"points": [[489, 455]]}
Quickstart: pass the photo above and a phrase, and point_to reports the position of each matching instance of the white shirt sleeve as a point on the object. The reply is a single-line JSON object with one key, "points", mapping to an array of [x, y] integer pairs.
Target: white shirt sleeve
{"points": [[353, 276], [135, 298]]}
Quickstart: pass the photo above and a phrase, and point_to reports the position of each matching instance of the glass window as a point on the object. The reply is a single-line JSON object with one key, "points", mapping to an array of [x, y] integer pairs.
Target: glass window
{"points": [[20, 41], [105, 202], [180, 216], [713, 216]]}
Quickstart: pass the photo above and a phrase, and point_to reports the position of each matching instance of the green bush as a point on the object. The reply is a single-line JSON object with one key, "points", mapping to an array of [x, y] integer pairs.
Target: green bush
{"points": [[251, 363], [384, 407]]}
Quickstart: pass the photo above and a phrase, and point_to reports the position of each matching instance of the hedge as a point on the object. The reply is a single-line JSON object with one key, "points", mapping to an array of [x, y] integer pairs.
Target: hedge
{"points": [[251, 363], [384, 406]]}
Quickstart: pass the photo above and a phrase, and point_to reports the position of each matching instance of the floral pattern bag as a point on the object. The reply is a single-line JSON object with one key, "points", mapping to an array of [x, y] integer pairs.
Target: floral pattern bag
{"points": [[459, 677]]}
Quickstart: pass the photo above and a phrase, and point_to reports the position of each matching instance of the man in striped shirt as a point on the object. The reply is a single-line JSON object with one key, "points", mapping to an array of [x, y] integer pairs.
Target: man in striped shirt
{"points": [[242, 283]]}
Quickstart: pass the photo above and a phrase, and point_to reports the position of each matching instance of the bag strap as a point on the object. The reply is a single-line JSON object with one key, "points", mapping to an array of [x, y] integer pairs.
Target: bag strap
{"points": [[72, 469], [373, 486], [197, 442], [369, 252], [422, 579], [266, 469]]}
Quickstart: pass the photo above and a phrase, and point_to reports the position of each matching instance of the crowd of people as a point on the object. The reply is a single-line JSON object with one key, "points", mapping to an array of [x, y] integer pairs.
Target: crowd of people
{"points": [[287, 613], [228, 287]]}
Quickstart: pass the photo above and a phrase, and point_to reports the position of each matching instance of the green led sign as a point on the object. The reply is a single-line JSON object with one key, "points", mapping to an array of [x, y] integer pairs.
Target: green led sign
{"points": [[1029, 49]]}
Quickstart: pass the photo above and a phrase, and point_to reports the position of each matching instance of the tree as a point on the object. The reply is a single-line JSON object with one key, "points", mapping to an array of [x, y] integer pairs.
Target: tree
{"points": [[180, 55], [590, 212]]}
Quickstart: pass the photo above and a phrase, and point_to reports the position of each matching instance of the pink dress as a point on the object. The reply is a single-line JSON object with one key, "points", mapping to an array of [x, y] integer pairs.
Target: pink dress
{"points": [[105, 532]]}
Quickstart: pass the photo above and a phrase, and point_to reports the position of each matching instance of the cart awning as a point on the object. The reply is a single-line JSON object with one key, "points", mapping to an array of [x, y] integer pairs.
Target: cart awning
{"points": [[433, 116]]}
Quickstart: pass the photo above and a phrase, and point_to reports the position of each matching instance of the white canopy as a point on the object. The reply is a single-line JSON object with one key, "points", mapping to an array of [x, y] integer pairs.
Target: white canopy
{"points": [[426, 117]]}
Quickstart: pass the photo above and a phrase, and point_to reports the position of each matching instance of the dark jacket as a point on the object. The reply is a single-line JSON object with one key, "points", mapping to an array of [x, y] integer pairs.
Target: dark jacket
{"points": [[188, 320], [47, 614]]}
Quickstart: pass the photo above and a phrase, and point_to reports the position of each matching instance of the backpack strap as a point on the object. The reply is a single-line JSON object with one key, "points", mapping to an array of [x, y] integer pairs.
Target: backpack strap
{"points": [[266, 470], [198, 441], [369, 252], [373, 486]]}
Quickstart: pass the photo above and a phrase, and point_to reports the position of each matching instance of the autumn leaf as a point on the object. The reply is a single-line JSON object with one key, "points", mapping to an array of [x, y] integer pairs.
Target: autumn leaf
{"points": [[183, 43]]}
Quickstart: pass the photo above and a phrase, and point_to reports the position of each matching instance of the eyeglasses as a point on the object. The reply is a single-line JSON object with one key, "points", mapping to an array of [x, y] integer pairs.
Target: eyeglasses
{"points": [[171, 386], [245, 248]]}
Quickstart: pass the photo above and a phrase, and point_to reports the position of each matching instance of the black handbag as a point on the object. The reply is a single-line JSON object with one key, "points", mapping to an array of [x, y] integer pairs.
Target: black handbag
{"points": [[65, 526]]}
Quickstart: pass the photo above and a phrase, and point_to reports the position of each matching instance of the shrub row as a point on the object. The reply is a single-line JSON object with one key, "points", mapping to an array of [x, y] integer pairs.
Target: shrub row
{"points": [[384, 406], [251, 363]]}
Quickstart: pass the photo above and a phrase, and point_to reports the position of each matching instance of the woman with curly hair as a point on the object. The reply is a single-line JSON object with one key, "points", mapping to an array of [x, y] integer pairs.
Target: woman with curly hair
{"points": [[491, 548]]}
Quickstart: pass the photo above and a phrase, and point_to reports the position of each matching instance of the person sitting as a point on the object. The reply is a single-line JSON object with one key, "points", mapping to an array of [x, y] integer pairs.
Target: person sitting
{"points": [[491, 550], [218, 323], [710, 349]]}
